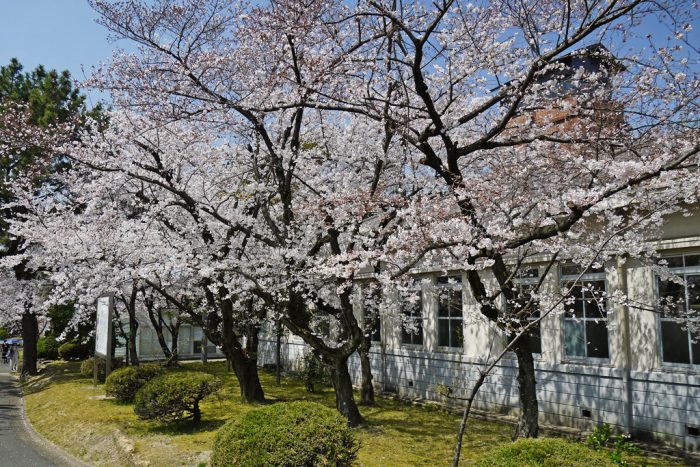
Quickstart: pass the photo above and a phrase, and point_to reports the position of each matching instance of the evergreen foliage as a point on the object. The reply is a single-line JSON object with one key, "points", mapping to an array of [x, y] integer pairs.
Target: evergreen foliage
{"points": [[47, 348], [548, 452], [286, 434], [175, 396], [125, 382]]}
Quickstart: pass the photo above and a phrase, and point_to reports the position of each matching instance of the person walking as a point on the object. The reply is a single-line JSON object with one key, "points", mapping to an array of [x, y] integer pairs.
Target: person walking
{"points": [[14, 357]]}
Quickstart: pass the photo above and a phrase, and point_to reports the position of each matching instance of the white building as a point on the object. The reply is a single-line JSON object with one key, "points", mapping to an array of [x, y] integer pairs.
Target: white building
{"points": [[631, 368]]}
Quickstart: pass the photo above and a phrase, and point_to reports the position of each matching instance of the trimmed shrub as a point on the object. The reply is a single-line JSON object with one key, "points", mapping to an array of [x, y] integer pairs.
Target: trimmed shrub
{"points": [[175, 396], [548, 452], [86, 367], [286, 433], [73, 350], [314, 372], [47, 348], [124, 383]]}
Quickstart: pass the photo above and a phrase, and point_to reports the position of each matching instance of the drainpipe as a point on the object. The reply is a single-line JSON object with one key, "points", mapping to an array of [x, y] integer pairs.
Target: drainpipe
{"points": [[626, 350]]}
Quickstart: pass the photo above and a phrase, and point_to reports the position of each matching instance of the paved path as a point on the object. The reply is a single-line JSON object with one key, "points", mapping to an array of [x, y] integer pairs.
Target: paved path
{"points": [[18, 447]]}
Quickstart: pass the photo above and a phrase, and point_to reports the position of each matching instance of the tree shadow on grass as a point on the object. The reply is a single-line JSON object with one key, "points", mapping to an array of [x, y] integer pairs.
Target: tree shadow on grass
{"points": [[184, 427], [420, 423], [52, 374]]}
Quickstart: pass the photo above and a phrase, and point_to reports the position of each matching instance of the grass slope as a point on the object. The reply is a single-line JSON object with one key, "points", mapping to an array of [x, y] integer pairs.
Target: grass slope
{"points": [[65, 407]]}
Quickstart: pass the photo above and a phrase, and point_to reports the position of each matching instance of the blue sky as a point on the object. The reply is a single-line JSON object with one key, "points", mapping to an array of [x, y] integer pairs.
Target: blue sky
{"points": [[60, 34], [63, 34]]}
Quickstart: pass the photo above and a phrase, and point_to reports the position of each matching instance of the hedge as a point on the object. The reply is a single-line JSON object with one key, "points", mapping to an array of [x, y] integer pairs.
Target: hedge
{"points": [[547, 452], [124, 383], [73, 350], [286, 434], [47, 348], [175, 396]]}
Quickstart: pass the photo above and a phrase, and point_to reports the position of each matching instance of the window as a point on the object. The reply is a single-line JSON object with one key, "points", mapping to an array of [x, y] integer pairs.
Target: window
{"points": [[450, 319], [197, 342], [371, 300], [412, 318], [585, 317], [525, 281], [680, 308]]}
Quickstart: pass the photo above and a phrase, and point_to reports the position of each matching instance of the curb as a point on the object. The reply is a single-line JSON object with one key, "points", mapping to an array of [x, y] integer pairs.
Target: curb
{"points": [[58, 455]]}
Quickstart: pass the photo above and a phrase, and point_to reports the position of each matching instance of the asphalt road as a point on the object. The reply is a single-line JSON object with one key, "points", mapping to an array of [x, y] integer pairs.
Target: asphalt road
{"points": [[18, 448]]}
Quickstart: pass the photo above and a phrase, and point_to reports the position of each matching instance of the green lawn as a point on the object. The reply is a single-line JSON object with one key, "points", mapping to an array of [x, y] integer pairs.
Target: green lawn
{"points": [[65, 407]]}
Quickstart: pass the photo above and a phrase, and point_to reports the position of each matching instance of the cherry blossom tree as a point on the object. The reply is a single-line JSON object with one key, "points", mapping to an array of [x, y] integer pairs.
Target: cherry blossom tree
{"points": [[405, 135]]}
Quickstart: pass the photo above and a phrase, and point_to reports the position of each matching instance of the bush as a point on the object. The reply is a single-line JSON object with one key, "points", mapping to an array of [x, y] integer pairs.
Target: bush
{"points": [[602, 437], [73, 350], [551, 452], [47, 348], [124, 383], [175, 396], [314, 372], [286, 433], [86, 368]]}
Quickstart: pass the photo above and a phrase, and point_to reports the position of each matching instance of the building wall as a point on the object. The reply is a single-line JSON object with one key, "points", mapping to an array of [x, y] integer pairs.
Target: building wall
{"points": [[633, 390], [148, 347]]}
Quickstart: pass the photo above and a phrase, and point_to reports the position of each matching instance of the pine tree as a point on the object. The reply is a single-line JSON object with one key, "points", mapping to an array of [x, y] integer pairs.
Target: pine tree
{"points": [[37, 109]]}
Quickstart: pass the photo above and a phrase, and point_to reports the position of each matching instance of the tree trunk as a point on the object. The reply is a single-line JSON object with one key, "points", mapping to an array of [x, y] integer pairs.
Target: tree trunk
{"points": [[278, 353], [344, 398], [174, 347], [196, 414], [246, 370], [366, 386], [528, 425], [204, 343], [133, 357], [30, 335], [130, 305]]}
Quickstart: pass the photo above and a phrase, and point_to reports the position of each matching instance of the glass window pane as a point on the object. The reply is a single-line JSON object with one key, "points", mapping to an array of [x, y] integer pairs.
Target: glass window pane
{"points": [[695, 348], [444, 332], [455, 333], [573, 304], [443, 304], [692, 260], [412, 331], [674, 342], [527, 273], [595, 308], [418, 338], [594, 289], [535, 340], [577, 308], [574, 342], [405, 336], [449, 280], [597, 336], [456, 304], [693, 292], [672, 295], [377, 334], [570, 270], [674, 261]]}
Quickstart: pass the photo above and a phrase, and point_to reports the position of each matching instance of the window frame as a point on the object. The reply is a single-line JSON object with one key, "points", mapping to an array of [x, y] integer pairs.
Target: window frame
{"points": [[375, 335], [681, 271], [453, 288], [565, 280], [418, 315], [519, 281]]}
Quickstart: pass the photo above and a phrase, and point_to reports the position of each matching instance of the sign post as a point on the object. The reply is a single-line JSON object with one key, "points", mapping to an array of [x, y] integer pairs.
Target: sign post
{"points": [[103, 333]]}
